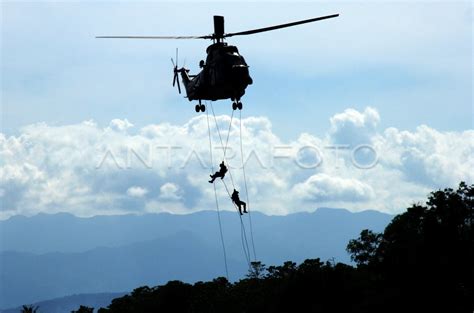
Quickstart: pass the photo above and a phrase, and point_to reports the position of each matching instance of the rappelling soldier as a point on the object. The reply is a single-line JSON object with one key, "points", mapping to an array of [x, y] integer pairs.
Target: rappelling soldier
{"points": [[235, 198], [220, 173]]}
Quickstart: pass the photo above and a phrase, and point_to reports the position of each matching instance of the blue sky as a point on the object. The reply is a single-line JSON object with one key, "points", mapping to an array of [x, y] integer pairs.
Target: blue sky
{"points": [[409, 62]]}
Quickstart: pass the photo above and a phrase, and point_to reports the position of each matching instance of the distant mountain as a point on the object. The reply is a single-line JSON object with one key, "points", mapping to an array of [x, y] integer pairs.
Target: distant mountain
{"points": [[49, 256], [69, 303]]}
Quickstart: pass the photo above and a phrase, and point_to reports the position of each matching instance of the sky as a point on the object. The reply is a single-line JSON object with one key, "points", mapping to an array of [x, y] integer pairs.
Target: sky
{"points": [[370, 110]]}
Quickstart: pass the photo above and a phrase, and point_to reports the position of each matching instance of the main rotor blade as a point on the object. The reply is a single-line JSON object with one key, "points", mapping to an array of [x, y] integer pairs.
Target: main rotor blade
{"points": [[154, 37], [266, 29]]}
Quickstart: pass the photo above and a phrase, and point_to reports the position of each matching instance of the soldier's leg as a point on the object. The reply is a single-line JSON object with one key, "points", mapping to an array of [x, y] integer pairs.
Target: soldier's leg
{"points": [[245, 206], [213, 178]]}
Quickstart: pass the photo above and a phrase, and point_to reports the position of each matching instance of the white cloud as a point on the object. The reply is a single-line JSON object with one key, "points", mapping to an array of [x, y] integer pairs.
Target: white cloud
{"points": [[322, 187], [84, 168], [353, 126], [170, 191], [120, 125], [431, 157], [136, 191]]}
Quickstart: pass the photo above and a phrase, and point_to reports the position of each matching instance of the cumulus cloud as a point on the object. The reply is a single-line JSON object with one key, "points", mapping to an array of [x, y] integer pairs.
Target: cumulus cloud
{"points": [[120, 125], [170, 191], [85, 168], [431, 157], [136, 191], [322, 187], [354, 127]]}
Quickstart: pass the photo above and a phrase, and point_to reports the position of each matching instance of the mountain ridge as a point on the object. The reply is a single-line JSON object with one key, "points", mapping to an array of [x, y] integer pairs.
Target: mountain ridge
{"points": [[61, 254], [69, 303], [45, 228]]}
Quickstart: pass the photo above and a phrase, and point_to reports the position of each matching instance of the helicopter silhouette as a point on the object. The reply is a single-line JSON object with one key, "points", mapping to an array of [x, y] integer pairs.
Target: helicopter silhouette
{"points": [[224, 74]]}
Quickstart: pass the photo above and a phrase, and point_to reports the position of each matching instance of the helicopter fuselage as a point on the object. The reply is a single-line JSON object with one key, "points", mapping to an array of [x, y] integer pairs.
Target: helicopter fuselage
{"points": [[225, 75]]}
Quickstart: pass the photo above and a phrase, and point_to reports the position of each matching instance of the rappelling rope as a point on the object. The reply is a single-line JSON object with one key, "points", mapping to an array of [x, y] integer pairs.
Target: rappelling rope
{"points": [[222, 143], [246, 188], [243, 233], [217, 202], [228, 133]]}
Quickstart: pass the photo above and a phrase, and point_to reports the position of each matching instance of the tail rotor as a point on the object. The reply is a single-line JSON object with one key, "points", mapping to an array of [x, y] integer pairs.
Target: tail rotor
{"points": [[176, 71]]}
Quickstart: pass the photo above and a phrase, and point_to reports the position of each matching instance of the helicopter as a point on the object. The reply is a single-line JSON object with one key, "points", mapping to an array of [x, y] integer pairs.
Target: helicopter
{"points": [[224, 74]]}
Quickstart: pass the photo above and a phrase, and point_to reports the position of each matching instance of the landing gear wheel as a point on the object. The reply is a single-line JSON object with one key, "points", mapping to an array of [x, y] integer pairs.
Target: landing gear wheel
{"points": [[197, 108], [234, 106], [202, 107], [239, 105]]}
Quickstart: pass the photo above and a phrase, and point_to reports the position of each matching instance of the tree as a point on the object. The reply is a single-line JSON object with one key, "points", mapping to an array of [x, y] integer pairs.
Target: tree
{"points": [[427, 252], [83, 309], [363, 250], [286, 270], [29, 309], [256, 270], [438, 236]]}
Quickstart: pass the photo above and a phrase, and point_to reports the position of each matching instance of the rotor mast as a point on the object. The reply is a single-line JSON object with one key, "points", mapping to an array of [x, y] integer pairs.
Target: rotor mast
{"points": [[218, 28]]}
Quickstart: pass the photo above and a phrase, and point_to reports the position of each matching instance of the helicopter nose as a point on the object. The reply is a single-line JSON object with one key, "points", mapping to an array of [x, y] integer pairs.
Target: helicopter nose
{"points": [[241, 74]]}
